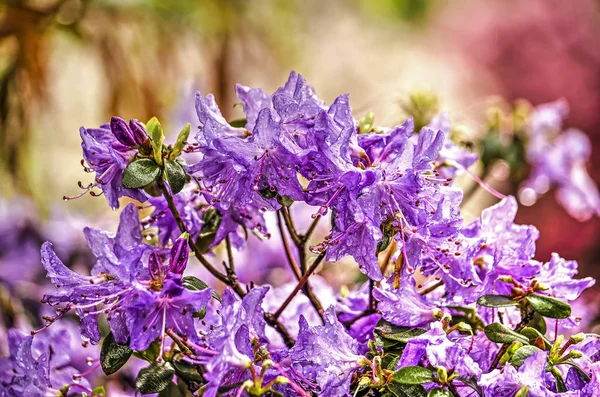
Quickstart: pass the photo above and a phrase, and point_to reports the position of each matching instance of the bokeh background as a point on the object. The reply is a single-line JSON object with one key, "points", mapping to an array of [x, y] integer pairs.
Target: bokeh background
{"points": [[68, 63]]}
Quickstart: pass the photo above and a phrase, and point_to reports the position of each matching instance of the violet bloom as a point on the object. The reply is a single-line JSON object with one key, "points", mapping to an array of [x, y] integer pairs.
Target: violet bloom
{"points": [[231, 343], [110, 285], [327, 354], [437, 349], [188, 204], [450, 153], [508, 380], [404, 306], [38, 366], [107, 156], [559, 158]]}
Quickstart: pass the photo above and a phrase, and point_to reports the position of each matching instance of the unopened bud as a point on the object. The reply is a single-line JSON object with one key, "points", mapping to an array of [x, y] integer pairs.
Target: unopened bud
{"points": [[122, 132], [139, 132], [577, 338], [179, 256], [442, 375], [282, 380]]}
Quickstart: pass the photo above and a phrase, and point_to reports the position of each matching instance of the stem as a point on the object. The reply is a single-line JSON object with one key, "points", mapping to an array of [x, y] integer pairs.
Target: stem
{"points": [[301, 247], [311, 229], [230, 280], [217, 274], [290, 225], [286, 248], [301, 283]]}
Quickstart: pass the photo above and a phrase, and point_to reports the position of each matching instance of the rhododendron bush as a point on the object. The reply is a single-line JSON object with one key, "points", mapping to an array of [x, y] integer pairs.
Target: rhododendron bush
{"points": [[444, 307]]}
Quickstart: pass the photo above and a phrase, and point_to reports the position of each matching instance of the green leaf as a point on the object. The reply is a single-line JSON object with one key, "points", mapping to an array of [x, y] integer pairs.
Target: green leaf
{"points": [[239, 123], [155, 378], [189, 374], [400, 390], [175, 175], [413, 376], [533, 334], [365, 125], [155, 131], [496, 301], [522, 392], [437, 392], [139, 173], [99, 391], [392, 332], [548, 306], [180, 143], [195, 284], [211, 220], [113, 355], [172, 390], [522, 354], [498, 333], [560, 383]]}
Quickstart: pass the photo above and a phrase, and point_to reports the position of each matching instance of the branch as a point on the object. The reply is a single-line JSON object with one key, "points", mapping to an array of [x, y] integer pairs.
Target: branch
{"points": [[301, 283], [230, 280]]}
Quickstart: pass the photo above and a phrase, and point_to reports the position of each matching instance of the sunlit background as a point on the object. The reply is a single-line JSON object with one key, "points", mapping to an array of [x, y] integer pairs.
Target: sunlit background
{"points": [[68, 63]]}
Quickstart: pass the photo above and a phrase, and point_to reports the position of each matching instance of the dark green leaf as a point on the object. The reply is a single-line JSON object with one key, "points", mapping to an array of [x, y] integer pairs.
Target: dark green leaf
{"points": [[401, 390], [155, 378], [113, 355], [384, 243], [498, 333], [239, 123], [189, 374], [413, 376], [179, 144], [175, 175], [195, 284], [211, 220], [268, 193], [548, 306], [139, 173], [560, 383], [157, 136], [172, 390], [522, 353], [437, 392], [496, 301], [533, 334], [392, 332]]}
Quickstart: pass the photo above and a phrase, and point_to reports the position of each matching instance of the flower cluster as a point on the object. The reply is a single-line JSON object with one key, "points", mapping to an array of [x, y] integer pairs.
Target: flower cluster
{"points": [[448, 308]]}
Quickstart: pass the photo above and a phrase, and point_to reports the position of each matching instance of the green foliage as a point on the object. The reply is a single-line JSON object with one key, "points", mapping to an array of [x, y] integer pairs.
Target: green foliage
{"points": [[113, 355], [211, 219], [498, 333], [154, 378], [140, 173], [157, 136], [496, 301], [176, 176], [180, 143], [413, 375], [548, 306]]}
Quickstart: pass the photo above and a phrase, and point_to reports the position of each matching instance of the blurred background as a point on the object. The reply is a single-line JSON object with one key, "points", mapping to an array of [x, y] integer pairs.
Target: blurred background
{"points": [[68, 63]]}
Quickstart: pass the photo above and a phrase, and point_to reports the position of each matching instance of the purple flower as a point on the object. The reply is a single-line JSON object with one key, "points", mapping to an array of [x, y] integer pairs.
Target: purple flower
{"points": [[242, 321], [404, 306], [327, 354], [188, 205], [450, 153], [151, 312], [508, 381], [38, 367], [439, 350], [559, 158], [108, 157]]}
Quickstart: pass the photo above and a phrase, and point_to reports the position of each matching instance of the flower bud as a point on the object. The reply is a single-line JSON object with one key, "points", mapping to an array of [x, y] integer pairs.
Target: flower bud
{"points": [[179, 256], [155, 267], [122, 132], [577, 338], [139, 132], [442, 375]]}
